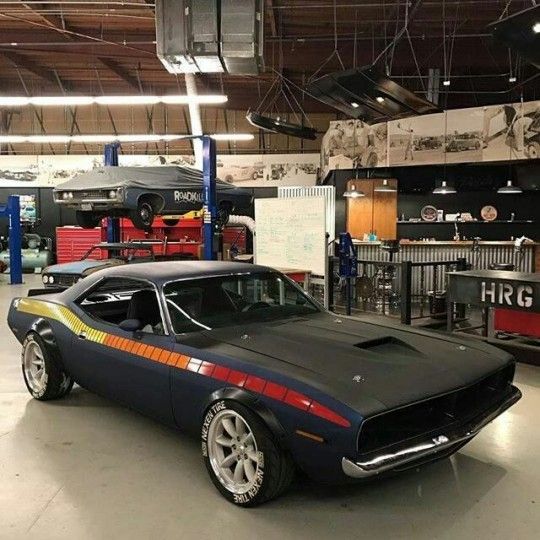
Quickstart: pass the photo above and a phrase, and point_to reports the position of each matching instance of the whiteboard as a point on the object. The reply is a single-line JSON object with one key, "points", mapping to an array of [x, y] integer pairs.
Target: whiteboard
{"points": [[291, 233]]}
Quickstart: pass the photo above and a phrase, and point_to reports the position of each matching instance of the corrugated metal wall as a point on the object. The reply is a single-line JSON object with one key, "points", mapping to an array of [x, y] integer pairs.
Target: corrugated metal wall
{"points": [[422, 280]]}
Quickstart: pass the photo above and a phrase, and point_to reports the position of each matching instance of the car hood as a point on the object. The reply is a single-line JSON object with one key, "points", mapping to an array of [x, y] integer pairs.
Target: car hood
{"points": [[76, 267], [369, 367]]}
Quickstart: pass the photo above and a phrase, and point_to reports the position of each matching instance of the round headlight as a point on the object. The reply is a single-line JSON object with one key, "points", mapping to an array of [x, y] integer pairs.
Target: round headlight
{"points": [[112, 194], [70, 195], [45, 278], [51, 279], [65, 195]]}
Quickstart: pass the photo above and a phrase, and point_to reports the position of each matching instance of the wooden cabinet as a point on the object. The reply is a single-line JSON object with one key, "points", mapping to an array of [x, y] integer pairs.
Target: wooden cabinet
{"points": [[375, 212]]}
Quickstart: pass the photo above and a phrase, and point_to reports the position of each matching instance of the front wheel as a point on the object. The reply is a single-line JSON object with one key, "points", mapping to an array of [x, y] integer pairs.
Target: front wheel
{"points": [[242, 457], [43, 372], [143, 216], [87, 220]]}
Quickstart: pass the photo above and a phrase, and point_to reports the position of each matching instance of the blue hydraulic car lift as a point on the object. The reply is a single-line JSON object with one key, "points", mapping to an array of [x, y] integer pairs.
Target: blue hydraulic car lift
{"points": [[110, 159], [210, 212], [12, 210]]}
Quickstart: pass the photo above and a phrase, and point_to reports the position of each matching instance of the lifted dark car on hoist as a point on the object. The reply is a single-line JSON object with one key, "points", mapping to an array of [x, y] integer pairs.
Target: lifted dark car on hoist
{"points": [[141, 193], [269, 380]]}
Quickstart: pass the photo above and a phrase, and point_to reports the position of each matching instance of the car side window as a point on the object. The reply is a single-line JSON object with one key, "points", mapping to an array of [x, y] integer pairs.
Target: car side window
{"points": [[116, 299]]}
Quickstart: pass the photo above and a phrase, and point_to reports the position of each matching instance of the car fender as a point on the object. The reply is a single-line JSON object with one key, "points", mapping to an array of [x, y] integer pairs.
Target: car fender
{"points": [[42, 327], [254, 404]]}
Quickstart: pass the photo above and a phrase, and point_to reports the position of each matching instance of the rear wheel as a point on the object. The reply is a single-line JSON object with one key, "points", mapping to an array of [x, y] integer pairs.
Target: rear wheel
{"points": [[42, 370], [87, 220], [143, 216], [242, 457]]}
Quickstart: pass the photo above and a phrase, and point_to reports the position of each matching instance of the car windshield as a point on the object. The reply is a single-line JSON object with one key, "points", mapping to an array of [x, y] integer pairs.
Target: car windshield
{"points": [[217, 302]]}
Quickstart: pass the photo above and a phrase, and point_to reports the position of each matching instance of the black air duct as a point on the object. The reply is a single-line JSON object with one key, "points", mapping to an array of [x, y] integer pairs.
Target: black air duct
{"points": [[368, 95], [278, 126], [521, 32]]}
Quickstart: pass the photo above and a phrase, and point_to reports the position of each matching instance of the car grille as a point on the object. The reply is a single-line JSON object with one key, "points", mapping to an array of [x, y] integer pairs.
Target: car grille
{"points": [[433, 415], [65, 280], [91, 194]]}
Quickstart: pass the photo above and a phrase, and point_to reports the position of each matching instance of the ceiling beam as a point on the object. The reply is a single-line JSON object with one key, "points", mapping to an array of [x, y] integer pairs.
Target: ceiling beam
{"points": [[120, 71], [271, 17], [21, 61], [55, 22]]}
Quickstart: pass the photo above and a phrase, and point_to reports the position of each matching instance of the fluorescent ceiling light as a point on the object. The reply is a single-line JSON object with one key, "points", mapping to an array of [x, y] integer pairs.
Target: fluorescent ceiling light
{"points": [[380, 99], [108, 138], [512, 79], [62, 101], [232, 136], [137, 99], [536, 28], [354, 105], [446, 82]]}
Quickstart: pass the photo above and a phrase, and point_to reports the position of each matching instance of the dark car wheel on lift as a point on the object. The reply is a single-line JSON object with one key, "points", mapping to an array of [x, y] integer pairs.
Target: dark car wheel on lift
{"points": [[143, 217], [43, 372], [87, 220], [241, 455]]}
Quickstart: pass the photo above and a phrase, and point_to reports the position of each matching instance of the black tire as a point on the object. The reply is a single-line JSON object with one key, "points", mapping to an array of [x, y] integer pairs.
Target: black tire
{"points": [[57, 382], [87, 220], [143, 217], [275, 468]]}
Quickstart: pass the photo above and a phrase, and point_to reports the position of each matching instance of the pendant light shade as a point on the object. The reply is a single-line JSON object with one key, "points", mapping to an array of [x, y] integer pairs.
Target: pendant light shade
{"points": [[510, 189], [354, 193], [385, 188], [444, 189]]}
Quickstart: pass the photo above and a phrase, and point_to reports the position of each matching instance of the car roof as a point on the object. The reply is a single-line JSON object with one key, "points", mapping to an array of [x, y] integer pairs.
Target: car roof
{"points": [[163, 271]]}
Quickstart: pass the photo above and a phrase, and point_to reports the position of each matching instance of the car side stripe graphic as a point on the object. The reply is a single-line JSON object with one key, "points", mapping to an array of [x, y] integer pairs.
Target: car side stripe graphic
{"points": [[253, 383]]}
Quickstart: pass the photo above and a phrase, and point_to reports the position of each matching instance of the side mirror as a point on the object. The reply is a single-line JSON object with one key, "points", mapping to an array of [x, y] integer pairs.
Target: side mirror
{"points": [[130, 325]]}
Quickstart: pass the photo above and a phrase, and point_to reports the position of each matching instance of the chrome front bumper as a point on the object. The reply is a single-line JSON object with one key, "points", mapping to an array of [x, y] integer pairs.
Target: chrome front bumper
{"points": [[401, 457]]}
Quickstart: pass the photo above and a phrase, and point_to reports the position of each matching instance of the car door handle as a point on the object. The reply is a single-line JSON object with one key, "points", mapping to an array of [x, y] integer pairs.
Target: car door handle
{"points": [[82, 335]]}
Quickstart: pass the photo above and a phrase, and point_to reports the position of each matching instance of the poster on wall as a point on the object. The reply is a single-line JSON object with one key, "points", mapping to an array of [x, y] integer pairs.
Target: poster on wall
{"points": [[18, 170], [502, 133], [416, 141], [495, 133], [352, 143], [247, 170], [53, 170], [463, 141], [530, 128]]}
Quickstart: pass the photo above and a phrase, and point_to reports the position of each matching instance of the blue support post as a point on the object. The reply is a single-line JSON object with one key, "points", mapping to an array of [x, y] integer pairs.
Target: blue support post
{"points": [[110, 159], [13, 211], [209, 198]]}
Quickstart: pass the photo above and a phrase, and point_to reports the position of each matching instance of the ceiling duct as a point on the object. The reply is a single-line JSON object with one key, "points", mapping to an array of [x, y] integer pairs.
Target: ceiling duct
{"points": [[278, 126], [208, 36], [521, 33], [367, 94], [242, 36], [187, 36]]}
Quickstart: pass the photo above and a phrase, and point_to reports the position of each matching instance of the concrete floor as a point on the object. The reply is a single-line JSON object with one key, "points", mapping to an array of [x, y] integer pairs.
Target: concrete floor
{"points": [[84, 467]]}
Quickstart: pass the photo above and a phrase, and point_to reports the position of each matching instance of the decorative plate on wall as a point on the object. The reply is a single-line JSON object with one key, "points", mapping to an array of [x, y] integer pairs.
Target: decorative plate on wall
{"points": [[429, 213], [488, 213]]}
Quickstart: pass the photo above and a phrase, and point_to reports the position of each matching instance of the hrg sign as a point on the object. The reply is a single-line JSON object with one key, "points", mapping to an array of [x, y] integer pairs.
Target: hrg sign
{"points": [[506, 294]]}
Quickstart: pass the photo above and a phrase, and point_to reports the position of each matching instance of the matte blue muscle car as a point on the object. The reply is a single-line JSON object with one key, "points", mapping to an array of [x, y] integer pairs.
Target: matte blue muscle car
{"points": [[141, 193], [269, 380]]}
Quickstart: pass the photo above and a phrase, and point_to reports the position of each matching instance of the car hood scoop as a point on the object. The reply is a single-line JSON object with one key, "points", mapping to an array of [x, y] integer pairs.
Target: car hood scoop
{"points": [[364, 365]]}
